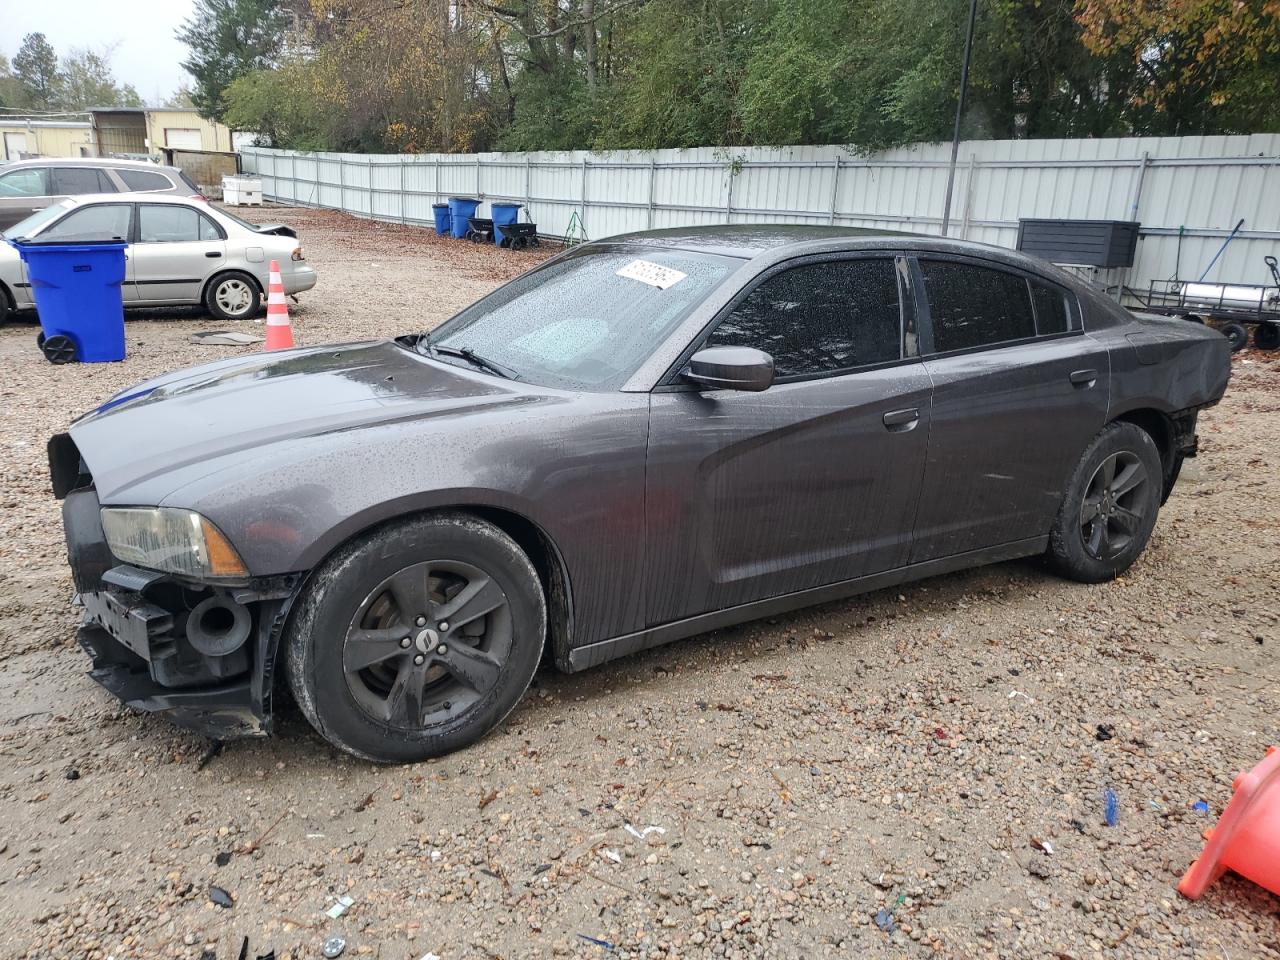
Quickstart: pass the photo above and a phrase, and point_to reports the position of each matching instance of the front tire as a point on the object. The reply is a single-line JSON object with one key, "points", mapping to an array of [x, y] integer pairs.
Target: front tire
{"points": [[1237, 335], [1110, 506], [233, 296], [417, 639]]}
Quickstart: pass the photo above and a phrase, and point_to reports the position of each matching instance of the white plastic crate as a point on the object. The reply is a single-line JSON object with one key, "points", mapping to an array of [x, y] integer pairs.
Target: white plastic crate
{"points": [[242, 191]]}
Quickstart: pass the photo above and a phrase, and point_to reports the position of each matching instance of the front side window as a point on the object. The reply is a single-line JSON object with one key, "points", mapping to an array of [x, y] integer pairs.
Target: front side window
{"points": [[107, 221], [30, 182], [173, 224], [820, 318], [974, 306], [588, 319], [144, 180], [73, 181]]}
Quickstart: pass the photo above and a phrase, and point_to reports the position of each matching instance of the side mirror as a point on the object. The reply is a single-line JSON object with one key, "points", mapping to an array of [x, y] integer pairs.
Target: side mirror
{"points": [[731, 368]]}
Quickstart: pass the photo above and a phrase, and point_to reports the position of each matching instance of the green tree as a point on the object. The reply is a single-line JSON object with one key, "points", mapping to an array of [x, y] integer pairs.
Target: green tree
{"points": [[87, 82], [228, 39], [36, 67]]}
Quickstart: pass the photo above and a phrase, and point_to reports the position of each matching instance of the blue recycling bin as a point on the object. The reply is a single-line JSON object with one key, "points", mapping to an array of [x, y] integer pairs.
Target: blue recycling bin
{"points": [[77, 289], [503, 213], [440, 211], [461, 209]]}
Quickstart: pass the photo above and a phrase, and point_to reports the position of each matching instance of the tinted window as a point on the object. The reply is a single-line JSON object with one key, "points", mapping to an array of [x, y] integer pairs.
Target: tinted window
{"points": [[70, 181], [102, 222], [173, 224], [820, 317], [974, 306], [144, 180], [24, 183], [1052, 313]]}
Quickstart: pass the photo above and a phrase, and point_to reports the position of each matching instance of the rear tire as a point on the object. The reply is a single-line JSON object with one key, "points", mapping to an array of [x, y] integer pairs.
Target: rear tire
{"points": [[1236, 334], [1266, 336], [1110, 505], [233, 296], [417, 639]]}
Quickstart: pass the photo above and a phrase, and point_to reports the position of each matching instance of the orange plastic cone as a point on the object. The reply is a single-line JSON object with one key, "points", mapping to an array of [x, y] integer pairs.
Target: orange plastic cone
{"points": [[1247, 837], [279, 333]]}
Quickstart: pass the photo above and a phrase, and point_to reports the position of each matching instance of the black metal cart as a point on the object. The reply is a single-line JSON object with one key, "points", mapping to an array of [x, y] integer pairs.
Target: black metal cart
{"points": [[517, 236], [1235, 305], [480, 230]]}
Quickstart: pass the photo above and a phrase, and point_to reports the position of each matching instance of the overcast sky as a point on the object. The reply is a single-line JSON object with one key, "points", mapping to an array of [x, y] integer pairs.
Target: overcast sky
{"points": [[147, 55]]}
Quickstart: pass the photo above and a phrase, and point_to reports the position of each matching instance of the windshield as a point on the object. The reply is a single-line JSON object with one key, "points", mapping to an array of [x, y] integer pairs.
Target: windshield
{"points": [[27, 227], [585, 321]]}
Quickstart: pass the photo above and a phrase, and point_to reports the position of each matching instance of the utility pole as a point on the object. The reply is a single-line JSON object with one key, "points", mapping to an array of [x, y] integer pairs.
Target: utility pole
{"points": [[955, 136]]}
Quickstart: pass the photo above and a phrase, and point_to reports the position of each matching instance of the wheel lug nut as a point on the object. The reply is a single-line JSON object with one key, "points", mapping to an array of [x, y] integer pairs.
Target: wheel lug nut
{"points": [[421, 621], [443, 625], [442, 649], [419, 660], [405, 641]]}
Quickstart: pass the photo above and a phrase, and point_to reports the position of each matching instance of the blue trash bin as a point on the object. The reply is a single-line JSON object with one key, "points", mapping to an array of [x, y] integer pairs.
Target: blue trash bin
{"points": [[461, 209], [76, 287], [441, 213], [503, 213]]}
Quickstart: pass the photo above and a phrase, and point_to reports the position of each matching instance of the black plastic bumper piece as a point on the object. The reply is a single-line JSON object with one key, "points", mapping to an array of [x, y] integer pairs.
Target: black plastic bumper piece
{"points": [[223, 712]]}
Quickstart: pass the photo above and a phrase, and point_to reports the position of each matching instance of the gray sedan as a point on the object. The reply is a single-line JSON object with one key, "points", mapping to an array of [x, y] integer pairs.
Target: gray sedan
{"points": [[645, 438], [181, 251]]}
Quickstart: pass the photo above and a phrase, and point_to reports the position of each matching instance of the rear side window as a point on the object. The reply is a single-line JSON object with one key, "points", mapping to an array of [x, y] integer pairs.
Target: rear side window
{"points": [[975, 306], [101, 222], [1053, 315], [820, 318], [144, 180], [72, 181], [173, 224], [31, 182]]}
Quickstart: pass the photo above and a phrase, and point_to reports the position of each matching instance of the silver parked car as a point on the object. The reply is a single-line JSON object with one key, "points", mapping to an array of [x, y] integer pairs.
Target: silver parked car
{"points": [[181, 251], [27, 186]]}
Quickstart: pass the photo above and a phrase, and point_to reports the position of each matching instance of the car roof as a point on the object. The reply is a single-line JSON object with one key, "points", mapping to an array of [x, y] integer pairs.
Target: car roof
{"points": [[776, 241], [129, 196], [84, 162]]}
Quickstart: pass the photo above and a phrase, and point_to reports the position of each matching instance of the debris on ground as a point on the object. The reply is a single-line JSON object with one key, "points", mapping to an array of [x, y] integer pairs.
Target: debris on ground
{"points": [[884, 920], [341, 905], [220, 897], [1111, 810], [597, 941], [334, 947], [642, 834]]}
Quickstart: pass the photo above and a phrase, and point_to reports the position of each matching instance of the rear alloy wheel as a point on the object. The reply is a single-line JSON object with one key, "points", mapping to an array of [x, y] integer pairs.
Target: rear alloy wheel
{"points": [[1110, 505], [1236, 334], [233, 296], [1266, 336], [418, 639]]}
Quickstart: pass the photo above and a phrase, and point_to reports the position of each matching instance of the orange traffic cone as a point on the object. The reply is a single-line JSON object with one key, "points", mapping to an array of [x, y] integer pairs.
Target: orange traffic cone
{"points": [[279, 333], [1247, 837]]}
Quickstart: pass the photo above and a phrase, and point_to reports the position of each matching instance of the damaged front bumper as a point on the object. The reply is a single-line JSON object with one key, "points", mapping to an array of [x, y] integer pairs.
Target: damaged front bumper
{"points": [[201, 654]]}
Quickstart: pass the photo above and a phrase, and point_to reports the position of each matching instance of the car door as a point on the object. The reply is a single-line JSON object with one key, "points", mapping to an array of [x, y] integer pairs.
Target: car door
{"points": [[177, 248], [23, 192], [1019, 391], [813, 481]]}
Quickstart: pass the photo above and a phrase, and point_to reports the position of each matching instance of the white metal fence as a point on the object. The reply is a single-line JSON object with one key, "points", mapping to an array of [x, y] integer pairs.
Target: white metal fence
{"points": [[1188, 192]]}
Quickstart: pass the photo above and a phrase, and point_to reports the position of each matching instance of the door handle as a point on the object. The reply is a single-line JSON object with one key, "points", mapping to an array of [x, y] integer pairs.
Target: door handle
{"points": [[1084, 378], [212, 254], [900, 421]]}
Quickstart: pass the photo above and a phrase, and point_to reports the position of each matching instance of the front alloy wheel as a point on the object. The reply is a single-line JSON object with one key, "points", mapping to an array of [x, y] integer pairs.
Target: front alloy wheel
{"points": [[427, 643], [416, 639]]}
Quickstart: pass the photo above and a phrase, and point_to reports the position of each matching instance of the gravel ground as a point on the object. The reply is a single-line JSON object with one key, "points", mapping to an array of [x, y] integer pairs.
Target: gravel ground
{"points": [[907, 754]]}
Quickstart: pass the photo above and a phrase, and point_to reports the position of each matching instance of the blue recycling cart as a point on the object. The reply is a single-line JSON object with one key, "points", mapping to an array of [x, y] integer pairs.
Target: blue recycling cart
{"points": [[77, 290]]}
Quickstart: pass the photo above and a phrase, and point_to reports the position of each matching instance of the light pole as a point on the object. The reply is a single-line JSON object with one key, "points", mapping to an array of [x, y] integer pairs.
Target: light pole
{"points": [[955, 136]]}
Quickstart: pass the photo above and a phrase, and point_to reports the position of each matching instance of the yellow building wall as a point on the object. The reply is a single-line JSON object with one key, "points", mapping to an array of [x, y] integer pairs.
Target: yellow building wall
{"points": [[51, 141], [213, 136]]}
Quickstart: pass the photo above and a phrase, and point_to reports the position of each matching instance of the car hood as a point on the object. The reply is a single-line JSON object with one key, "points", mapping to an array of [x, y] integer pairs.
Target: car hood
{"points": [[196, 415]]}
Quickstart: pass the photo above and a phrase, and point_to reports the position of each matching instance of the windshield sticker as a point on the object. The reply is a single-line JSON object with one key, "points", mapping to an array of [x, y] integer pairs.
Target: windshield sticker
{"points": [[654, 274]]}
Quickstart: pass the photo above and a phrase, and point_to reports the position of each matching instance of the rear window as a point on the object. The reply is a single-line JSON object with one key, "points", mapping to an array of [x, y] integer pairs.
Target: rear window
{"points": [[1053, 314], [974, 306], [73, 181], [144, 180]]}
